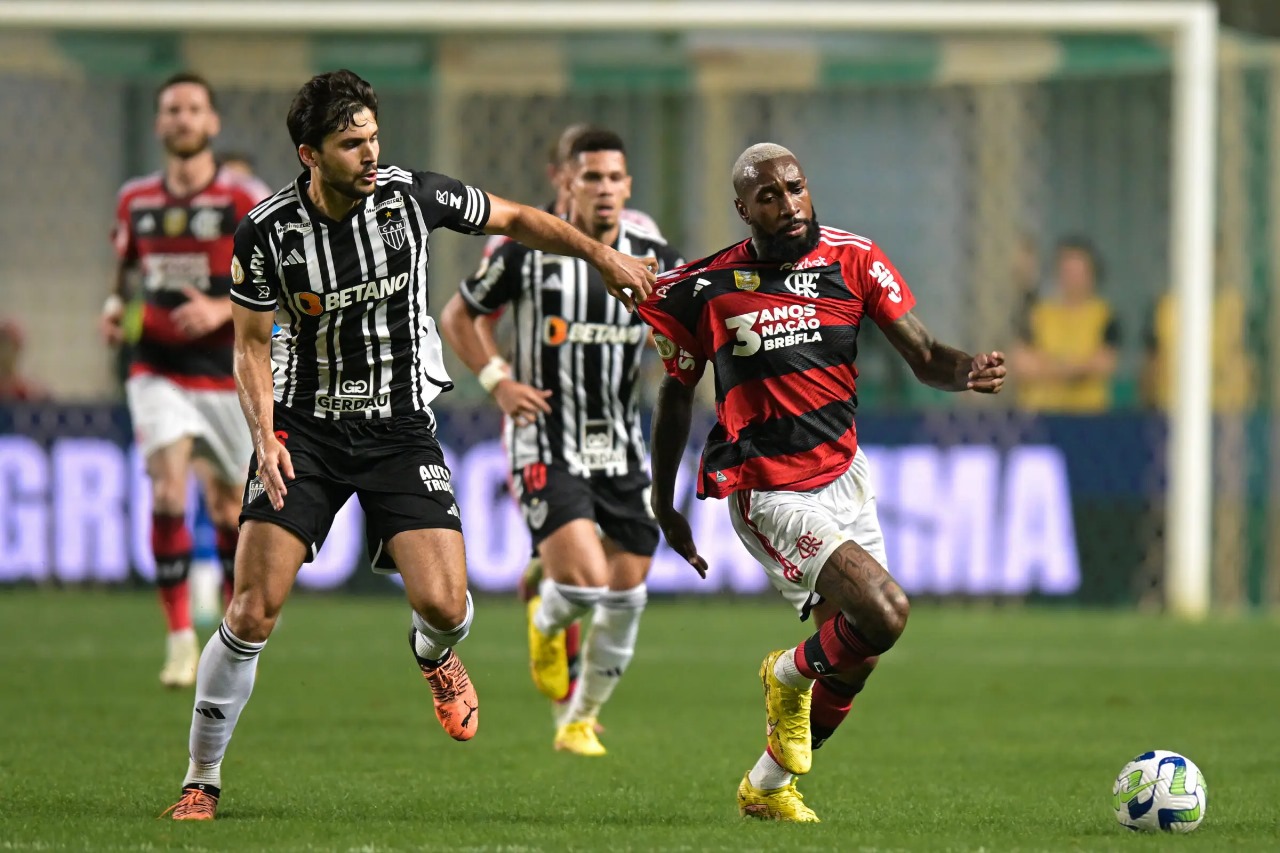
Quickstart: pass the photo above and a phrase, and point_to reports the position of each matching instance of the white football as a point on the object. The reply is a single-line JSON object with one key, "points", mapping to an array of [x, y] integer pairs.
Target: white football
{"points": [[1160, 790]]}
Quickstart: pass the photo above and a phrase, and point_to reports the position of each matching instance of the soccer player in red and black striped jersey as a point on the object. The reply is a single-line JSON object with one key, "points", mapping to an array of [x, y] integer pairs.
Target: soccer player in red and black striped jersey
{"points": [[175, 228], [777, 315]]}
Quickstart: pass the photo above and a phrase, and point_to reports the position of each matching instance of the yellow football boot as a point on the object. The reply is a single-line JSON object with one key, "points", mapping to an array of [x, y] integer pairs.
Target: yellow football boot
{"points": [[548, 660], [786, 720], [784, 803], [579, 738]]}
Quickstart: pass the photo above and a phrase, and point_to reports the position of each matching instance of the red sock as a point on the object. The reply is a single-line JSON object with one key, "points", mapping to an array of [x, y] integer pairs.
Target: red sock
{"points": [[837, 647], [171, 544], [176, 601], [831, 704]]}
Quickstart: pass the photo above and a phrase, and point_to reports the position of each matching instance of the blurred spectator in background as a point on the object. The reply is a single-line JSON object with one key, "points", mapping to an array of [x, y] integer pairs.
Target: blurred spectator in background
{"points": [[237, 163], [1231, 365], [1066, 357], [14, 387]]}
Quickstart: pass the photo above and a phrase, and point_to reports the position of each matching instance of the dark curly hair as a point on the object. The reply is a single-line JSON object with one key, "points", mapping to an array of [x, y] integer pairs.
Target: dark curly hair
{"points": [[326, 104]]}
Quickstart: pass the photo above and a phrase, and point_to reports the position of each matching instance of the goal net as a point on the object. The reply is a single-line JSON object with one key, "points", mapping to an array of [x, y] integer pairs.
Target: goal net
{"points": [[1037, 172]]}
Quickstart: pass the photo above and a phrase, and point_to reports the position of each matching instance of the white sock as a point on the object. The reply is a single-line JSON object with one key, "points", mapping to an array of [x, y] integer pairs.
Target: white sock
{"points": [[224, 681], [562, 603], [789, 674], [182, 636], [432, 644], [767, 775], [610, 645]]}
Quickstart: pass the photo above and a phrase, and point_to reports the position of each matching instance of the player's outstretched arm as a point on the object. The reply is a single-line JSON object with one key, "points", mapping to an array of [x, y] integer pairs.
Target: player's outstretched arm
{"points": [[254, 381], [628, 279], [671, 419], [470, 333], [940, 366]]}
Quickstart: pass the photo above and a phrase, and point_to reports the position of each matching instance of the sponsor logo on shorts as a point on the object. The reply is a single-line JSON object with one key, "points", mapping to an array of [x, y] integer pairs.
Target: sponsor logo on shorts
{"points": [[534, 476], [351, 404], [435, 478], [808, 545]]}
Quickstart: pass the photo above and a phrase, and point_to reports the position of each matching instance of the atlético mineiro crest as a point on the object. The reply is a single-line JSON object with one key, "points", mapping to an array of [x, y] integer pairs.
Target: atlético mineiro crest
{"points": [[391, 228]]}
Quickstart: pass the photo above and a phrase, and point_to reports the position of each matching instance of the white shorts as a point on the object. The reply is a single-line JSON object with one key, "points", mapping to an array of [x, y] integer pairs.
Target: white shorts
{"points": [[793, 534], [164, 412]]}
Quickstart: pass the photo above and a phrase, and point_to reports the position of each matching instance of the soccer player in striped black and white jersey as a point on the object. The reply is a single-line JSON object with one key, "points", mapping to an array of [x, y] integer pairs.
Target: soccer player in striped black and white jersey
{"points": [[777, 315], [338, 403], [574, 439]]}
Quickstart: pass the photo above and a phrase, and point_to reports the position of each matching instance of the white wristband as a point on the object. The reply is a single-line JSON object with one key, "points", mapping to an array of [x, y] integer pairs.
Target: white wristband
{"points": [[493, 373], [113, 305]]}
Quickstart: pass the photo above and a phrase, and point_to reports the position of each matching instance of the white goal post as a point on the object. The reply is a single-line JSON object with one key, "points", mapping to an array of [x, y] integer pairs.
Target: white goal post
{"points": [[1191, 26]]}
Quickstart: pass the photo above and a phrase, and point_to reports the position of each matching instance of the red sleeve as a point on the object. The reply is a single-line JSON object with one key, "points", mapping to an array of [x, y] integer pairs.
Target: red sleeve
{"points": [[122, 236], [884, 292], [679, 362], [675, 313]]}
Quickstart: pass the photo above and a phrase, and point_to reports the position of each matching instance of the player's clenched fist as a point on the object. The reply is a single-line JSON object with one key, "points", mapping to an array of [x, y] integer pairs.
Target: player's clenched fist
{"points": [[986, 375], [629, 280]]}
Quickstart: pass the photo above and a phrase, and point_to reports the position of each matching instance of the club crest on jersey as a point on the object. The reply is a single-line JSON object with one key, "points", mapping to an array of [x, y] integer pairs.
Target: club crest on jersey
{"points": [[206, 223], [746, 279], [175, 221], [237, 271], [392, 229], [666, 347], [803, 284]]}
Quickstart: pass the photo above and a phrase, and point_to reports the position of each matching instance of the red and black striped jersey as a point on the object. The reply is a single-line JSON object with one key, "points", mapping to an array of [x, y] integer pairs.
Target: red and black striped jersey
{"points": [[782, 339], [182, 242]]}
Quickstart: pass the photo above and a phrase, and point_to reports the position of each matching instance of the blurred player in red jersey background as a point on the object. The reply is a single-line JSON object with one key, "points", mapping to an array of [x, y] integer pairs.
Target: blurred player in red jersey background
{"points": [[173, 231]]}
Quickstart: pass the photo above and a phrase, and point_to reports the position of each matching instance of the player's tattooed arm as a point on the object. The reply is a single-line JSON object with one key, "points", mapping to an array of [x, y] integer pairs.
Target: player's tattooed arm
{"points": [[671, 421], [944, 367]]}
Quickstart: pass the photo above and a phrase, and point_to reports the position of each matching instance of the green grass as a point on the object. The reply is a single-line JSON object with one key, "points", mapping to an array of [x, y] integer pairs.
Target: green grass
{"points": [[984, 730]]}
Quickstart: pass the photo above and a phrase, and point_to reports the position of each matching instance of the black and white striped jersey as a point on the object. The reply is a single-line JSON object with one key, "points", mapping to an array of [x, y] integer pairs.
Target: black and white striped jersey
{"points": [[355, 338], [572, 338]]}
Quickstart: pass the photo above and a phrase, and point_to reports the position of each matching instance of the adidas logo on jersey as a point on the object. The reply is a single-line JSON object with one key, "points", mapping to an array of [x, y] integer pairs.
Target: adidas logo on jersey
{"points": [[295, 257]]}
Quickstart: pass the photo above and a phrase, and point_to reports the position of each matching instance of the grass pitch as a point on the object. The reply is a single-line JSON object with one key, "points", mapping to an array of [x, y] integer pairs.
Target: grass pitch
{"points": [[984, 730]]}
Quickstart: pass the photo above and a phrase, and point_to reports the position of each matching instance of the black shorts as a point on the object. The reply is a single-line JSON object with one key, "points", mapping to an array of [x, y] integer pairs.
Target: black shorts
{"points": [[394, 465], [550, 497]]}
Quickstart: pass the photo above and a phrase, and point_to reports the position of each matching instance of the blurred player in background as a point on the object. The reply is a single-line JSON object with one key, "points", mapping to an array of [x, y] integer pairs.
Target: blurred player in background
{"points": [[238, 163], [339, 401], [778, 316], [560, 170], [175, 229], [577, 453]]}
